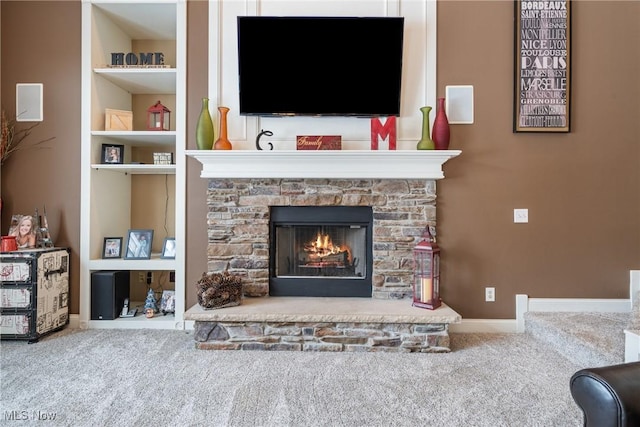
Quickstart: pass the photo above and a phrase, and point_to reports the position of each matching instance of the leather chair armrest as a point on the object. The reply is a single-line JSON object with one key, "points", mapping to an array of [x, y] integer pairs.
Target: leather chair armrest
{"points": [[608, 395]]}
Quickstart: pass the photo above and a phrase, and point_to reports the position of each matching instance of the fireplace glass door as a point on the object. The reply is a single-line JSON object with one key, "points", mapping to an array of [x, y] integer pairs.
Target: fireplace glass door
{"points": [[321, 251]]}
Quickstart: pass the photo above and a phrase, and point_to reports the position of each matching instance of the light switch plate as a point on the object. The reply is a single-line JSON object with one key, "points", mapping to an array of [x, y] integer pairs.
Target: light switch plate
{"points": [[520, 215]]}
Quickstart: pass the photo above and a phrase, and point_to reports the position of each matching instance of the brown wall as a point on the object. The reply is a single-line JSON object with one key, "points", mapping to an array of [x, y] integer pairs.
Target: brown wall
{"points": [[197, 88], [41, 44], [582, 189]]}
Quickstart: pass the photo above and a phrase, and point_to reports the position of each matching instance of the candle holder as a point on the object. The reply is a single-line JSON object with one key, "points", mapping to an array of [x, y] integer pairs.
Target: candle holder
{"points": [[158, 117], [426, 282]]}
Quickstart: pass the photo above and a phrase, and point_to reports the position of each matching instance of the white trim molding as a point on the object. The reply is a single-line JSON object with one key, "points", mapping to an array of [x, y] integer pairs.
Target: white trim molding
{"points": [[631, 345], [492, 326], [361, 164], [419, 79], [524, 304], [632, 336]]}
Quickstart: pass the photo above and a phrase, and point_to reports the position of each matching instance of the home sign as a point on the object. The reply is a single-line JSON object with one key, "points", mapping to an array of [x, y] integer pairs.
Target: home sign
{"points": [[142, 60]]}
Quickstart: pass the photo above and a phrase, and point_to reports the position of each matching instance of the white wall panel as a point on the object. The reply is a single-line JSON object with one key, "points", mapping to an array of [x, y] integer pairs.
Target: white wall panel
{"points": [[418, 81]]}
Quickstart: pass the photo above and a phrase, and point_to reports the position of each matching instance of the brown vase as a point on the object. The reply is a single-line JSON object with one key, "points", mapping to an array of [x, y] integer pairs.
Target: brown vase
{"points": [[441, 131], [222, 143]]}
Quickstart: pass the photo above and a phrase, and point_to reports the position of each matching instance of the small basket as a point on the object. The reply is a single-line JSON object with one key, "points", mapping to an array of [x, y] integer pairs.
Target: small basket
{"points": [[219, 290]]}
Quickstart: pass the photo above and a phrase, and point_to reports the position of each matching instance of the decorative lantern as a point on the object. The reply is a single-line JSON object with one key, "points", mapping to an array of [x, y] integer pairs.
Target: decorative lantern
{"points": [[426, 281], [158, 117]]}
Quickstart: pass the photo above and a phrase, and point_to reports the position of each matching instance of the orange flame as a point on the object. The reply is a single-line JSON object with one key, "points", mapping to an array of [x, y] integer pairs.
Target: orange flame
{"points": [[322, 246]]}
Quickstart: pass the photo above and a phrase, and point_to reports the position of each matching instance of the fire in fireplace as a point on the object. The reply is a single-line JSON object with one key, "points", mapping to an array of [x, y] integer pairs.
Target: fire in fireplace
{"points": [[321, 251]]}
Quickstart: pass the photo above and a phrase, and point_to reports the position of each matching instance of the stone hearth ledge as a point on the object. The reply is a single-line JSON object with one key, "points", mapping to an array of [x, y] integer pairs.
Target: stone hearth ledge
{"points": [[324, 309], [323, 324]]}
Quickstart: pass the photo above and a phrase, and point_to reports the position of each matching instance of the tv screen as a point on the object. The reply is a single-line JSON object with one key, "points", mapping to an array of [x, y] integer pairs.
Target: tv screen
{"points": [[320, 66]]}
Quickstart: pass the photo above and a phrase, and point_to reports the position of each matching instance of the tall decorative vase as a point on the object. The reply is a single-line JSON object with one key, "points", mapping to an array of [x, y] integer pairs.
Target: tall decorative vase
{"points": [[440, 133], [425, 143], [222, 143], [204, 128]]}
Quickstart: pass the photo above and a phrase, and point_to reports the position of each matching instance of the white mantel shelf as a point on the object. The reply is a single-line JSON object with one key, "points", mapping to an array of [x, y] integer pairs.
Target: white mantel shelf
{"points": [[347, 164]]}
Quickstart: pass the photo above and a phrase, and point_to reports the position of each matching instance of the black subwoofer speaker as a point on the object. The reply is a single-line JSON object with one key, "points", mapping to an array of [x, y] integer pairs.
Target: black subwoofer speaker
{"points": [[109, 289]]}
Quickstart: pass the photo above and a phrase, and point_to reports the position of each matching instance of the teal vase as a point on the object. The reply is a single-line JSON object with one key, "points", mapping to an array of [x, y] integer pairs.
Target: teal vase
{"points": [[204, 128], [426, 143]]}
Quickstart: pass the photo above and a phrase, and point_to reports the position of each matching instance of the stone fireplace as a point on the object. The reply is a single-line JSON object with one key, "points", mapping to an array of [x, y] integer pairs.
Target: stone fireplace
{"points": [[239, 226], [250, 197]]}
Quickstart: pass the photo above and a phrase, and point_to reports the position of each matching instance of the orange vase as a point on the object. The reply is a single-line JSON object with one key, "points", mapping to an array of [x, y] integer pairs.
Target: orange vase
{"points": [[222, 143]]}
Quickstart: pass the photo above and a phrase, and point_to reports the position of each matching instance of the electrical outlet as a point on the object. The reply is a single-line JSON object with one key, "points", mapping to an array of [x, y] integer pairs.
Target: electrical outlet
{"points": [[149, 277], [141, 277], [490, 294], [172, 276]]}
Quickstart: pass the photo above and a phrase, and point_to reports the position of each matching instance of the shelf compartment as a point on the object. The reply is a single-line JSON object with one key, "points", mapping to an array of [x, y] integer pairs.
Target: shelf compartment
{"points": [[115, 196], [139, 138], [143, 20], [161, 81], [155, 263], [135, 169], [159, 321]]}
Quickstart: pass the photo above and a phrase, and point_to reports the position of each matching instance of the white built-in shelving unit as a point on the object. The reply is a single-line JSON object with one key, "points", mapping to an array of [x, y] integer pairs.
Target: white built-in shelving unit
{"points": [[109, 203]]}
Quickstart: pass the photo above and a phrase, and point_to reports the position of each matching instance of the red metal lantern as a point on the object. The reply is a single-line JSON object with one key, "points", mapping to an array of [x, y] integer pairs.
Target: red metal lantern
{"points": [[426, 281], [158, 117]]}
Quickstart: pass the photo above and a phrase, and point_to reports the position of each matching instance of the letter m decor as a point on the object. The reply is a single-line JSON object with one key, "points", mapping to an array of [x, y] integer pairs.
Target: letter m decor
{"points": [[386, 131]]}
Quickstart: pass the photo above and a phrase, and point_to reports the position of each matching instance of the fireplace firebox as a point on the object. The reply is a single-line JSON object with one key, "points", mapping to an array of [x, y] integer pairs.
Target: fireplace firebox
{"points": [[321, 251]]}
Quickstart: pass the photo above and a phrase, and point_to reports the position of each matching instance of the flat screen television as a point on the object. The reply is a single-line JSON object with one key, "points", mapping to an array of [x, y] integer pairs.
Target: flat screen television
{"points": [[320, 66]]}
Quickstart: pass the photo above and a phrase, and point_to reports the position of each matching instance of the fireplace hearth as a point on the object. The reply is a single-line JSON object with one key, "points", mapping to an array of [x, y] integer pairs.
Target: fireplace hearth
{"points": [[321, 251]]}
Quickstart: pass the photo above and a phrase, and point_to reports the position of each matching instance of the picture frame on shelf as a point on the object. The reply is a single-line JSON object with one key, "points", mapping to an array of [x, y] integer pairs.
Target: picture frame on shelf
{"points": [[25, 230], [169, 248], [163, 158], [139, 243], [168, 302], [112, 154], [112, 247]]}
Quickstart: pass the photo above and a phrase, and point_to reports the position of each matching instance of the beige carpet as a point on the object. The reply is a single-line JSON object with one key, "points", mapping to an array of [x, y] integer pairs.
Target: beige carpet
{"points": [[151, 378], [588, 339]]}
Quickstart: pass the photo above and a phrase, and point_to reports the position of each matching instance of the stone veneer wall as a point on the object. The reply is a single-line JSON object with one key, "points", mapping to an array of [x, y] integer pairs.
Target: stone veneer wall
{"points": [[238, 224], [323, 336]]}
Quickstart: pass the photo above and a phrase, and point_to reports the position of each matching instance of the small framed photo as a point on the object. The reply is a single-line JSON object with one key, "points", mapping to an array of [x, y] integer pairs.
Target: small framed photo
{"points": [[24, 228], [139, 244], [112, 247], [162, 158], [168, 302], [169, 248], [112, 154]]}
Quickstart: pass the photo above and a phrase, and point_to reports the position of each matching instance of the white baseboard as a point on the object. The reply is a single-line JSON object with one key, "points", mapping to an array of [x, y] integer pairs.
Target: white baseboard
{"points": [[74, 321], [493, 326], [634, 278], [524, 304], [631, 346], [579, 304]]}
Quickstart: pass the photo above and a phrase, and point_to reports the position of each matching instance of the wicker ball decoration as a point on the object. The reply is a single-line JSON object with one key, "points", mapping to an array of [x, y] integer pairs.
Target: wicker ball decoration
{"points": [[219, 290]]}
